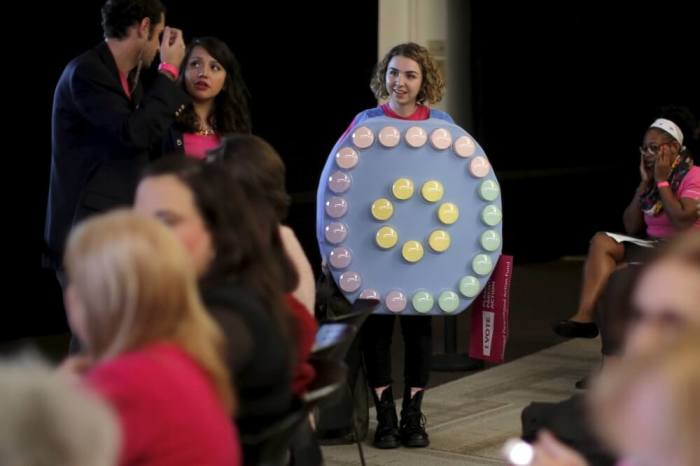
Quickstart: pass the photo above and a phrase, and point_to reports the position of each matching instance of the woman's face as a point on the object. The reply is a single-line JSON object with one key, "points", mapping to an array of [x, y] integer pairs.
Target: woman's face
{"points": [[646, 431], [667, 299], [204, 75], [170, 200], [403, 80], [654, 140]]}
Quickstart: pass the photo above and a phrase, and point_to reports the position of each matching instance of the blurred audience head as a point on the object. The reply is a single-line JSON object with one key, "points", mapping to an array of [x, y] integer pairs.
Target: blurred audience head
{"points": [[47, 421]]}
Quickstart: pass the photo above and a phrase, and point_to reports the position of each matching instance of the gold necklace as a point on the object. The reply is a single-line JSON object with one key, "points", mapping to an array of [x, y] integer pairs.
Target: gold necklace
{"points": [[205, 130]]}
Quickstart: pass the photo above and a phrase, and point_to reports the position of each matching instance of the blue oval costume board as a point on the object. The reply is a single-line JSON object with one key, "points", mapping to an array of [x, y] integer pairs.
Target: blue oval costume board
{"points": [[409, 212]]}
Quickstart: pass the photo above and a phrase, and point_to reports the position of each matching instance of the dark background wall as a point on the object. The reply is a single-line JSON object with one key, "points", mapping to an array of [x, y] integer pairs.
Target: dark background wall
{"points": [[563, 94], [561, 99]]}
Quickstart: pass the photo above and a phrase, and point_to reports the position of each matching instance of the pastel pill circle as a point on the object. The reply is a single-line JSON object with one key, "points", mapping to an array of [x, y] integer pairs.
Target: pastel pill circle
{"points": [[448, 213], [422, 301], [336, 207], [395, 301], [363, 137], [489, 190], [412, 251], [369, 293], [350, 281], [441, 139], [432, 191], [416, 136], [464, 146], [339, 182], [479, 167], [382, 209], [469, 286], [336, 232], [491, 215], [448, 301], [482, 265], [346, 158], [439, 240], [340, 258], [389, 136], [402, 189], [386, 237], [490, 240]]}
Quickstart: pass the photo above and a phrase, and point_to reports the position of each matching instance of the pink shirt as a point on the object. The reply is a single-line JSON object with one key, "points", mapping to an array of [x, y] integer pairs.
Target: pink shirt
{"points": [[660, 226], [169, 411], [125, 84], [196, 145], [422, 113]]}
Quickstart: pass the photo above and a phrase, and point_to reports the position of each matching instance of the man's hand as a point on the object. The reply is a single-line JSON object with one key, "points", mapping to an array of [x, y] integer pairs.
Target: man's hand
{"points": [[172, 47]]}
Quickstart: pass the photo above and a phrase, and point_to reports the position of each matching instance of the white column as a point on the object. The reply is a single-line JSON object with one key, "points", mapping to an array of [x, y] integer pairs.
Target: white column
{"points": [[420, 21]]}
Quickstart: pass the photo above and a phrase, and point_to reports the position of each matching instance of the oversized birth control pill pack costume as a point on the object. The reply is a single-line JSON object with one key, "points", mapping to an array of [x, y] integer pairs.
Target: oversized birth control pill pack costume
{"points": [[409, 212]]}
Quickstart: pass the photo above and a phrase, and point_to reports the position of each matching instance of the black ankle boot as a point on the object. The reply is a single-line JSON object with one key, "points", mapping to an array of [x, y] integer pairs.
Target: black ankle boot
{"points": [[412, 427], [387, 434]]}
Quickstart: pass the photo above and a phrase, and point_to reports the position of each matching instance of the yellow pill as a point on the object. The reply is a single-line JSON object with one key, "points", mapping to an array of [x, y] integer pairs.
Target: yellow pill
{"points": [[432, 191], [412, 251], [402, 189], [382, 209], [386, 237], [439, 240], [448, 213]]}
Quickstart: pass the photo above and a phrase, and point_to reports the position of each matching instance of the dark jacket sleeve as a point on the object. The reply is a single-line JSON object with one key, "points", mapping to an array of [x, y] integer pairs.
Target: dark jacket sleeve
{"points": [[95, 99]]}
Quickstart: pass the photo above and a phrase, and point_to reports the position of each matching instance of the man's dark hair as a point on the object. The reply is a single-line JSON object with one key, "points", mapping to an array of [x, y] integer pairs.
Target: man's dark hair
{"points": [[119, 15]]}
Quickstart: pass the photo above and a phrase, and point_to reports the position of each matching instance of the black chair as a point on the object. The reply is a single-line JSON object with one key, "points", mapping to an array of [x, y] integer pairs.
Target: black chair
{"points": [[332, 372], [331, 375], [359, 311], [356, 314], [270, 447], [333, 340]]}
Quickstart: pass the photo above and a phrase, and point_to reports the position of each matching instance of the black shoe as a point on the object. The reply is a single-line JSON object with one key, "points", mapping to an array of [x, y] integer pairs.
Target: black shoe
{"points": [[412, 426], [387, 433], [573, 329]]}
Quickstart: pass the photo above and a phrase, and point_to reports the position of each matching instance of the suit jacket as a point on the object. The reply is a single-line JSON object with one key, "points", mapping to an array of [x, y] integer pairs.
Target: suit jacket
{"points": [[100, 141], [173, 142]]}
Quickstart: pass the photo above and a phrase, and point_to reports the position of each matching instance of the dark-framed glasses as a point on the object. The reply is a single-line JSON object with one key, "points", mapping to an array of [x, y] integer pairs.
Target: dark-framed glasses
{"points": [[652, 148]]}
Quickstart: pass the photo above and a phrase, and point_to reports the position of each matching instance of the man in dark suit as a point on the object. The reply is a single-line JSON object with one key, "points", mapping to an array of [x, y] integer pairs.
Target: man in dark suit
{"points": [[103, 126]]}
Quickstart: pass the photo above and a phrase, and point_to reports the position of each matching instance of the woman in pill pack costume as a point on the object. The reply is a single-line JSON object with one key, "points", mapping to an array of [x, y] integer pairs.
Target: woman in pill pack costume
{"points": [[408, 212]]}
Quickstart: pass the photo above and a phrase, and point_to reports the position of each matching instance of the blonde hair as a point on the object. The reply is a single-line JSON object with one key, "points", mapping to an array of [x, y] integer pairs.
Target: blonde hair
{"points": [[678, 369], [47, 421], [137, 286]]}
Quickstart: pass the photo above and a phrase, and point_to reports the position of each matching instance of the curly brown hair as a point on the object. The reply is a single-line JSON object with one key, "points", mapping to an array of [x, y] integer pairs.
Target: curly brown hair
{"points": [[433, 85]]}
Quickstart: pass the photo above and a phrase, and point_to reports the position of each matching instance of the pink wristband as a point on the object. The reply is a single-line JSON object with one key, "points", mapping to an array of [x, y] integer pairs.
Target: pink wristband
{"points": [[662, 184], [170, 69]]}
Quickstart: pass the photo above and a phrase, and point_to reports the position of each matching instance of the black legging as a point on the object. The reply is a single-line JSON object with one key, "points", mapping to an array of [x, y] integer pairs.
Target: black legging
{"points": [[417, 333]]}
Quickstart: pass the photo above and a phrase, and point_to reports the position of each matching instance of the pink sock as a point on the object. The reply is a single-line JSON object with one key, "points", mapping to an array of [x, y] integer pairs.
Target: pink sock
{"points": [[380, 390]]}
